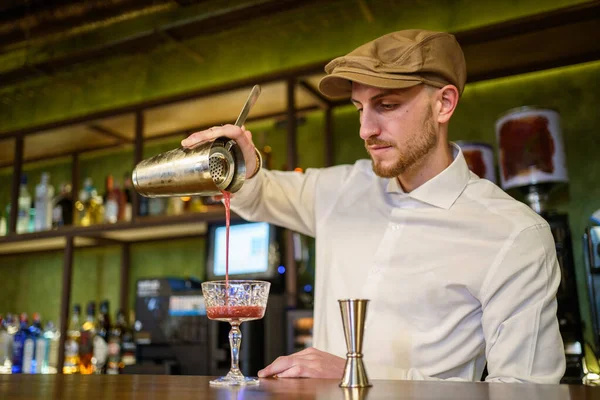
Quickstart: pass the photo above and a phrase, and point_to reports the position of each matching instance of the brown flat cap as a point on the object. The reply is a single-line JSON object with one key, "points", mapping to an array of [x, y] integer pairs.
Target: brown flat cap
{"points": [[398, 60]]}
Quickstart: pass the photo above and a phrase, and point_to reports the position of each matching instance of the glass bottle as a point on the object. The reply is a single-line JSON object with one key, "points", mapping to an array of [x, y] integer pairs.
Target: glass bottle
{"points": [[71, 363], [114, 345], [44, 193], [24, 204], [101, 339], [86, 341]]}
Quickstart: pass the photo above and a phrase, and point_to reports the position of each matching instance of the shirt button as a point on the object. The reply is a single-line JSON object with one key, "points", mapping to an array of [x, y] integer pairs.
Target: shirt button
{"points": [[395, 227]]}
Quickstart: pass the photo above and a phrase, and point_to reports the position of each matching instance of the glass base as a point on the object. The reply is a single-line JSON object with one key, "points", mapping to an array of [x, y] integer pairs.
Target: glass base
{"points": [[234, 379]]}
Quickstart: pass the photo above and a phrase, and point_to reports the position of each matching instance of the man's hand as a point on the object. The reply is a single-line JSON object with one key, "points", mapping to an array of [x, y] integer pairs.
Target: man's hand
{"points": [[242, 137], [308, 363]]}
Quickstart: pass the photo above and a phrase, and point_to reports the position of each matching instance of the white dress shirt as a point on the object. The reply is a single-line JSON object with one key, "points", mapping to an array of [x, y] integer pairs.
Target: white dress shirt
{"points": [[457, 272]]}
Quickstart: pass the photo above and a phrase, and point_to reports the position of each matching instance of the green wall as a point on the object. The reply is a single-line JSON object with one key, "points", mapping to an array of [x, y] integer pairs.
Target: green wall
{"points": [[313, 33]]}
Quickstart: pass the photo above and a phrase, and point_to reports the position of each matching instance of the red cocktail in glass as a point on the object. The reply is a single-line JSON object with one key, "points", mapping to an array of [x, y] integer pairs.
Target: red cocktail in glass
{"points": [[235, 302]]}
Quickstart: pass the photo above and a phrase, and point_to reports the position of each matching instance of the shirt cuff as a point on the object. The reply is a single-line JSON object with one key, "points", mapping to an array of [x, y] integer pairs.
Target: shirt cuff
{"points": [[248, 190]]}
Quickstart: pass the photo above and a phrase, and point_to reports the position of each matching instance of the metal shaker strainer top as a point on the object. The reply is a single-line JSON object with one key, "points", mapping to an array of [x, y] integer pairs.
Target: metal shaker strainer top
{"points": [[204, 170], [222, 165]]}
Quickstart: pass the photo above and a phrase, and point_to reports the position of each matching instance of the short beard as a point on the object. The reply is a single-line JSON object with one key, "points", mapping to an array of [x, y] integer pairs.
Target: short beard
{"points": [[413, 152]]}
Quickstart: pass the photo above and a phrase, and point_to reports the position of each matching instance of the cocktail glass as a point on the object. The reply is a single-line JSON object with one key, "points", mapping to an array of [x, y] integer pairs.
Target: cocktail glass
{"points": [[235, 302]]}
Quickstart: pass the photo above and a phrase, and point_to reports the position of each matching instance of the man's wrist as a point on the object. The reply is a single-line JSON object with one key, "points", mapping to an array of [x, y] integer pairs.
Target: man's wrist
{"points": [[258, 163]]}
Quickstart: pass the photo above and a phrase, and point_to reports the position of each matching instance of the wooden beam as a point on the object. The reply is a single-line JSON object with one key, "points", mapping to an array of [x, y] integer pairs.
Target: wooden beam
{"points": [[63, 154], [183, 48], [188, 131], [324, 101], [196, 94], [16, 183], [291, 273], [138, 153], [65, 300], [75, 179], [124, 272], [110, 133]]}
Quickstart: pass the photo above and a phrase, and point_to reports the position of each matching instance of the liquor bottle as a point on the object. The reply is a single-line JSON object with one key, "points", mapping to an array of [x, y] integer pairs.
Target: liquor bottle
{"points": [[89, 207], [44, 193], [83, 203], [62, 213], [3, 341], [24, 204], [10, 328], [101, 339], [111, 201], [22, 348], [175, 206], [128, 197], [71, 363], [114, 345], [52, 336], [128, 347], [122, 202], [86, 341], [40, 354]]}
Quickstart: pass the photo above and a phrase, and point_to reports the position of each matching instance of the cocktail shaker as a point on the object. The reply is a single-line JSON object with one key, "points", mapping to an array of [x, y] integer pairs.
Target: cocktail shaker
{"points": [[204, 170]]}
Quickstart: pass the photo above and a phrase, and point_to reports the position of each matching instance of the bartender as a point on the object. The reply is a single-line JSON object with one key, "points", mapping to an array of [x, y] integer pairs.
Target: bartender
{"points": [[459, 274]]}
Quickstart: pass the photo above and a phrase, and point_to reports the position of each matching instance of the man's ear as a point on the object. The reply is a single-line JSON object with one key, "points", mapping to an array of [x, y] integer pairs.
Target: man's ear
{"points": [[447, 100]]}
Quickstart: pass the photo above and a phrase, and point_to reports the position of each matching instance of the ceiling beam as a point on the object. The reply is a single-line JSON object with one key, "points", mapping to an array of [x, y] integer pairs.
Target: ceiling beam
{"points": [[324, 101], [110, 133]]}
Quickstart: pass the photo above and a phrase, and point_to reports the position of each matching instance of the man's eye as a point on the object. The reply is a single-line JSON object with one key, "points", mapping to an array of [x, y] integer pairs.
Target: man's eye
{"points": [[387, 106]]}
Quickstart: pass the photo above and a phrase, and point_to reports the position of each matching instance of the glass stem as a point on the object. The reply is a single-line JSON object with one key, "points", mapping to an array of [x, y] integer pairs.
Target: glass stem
{"points": [[235, 340]]}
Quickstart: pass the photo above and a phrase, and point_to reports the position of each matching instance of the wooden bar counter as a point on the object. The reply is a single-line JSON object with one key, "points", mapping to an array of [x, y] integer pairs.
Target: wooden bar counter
{"points": [[117, 387]]}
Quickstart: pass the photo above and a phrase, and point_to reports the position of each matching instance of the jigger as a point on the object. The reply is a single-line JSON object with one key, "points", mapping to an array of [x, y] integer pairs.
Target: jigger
{"points": [[354, 312]]}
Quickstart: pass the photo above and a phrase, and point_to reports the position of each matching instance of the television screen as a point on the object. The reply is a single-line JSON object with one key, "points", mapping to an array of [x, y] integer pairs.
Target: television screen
{"points": [[251, 251]]}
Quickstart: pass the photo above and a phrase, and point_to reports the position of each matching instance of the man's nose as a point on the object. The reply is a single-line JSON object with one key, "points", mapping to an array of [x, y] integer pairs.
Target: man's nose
{"points": [[369, 126]]}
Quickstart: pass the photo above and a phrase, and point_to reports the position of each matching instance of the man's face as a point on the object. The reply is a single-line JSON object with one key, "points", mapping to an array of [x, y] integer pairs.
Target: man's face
{"points": [[397, 126]]}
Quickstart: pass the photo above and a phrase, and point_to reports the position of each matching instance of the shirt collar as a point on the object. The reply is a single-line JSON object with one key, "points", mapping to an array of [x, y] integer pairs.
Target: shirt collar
{"points": [[443, 189]]}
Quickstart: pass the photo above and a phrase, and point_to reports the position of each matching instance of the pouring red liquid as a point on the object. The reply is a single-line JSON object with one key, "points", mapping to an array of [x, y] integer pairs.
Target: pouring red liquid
{"points": [[236, 314], [227, 198]]}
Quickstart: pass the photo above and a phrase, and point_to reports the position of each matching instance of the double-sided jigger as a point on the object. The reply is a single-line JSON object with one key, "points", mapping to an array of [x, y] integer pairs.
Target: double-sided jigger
{"points": [[354, 312]]}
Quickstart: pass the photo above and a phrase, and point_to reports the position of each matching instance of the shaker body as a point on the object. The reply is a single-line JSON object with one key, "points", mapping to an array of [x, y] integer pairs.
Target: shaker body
{"points": [[205, 170]]}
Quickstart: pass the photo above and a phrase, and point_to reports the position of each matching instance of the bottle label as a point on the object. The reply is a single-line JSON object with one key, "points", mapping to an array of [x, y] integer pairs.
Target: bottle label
{"points": [[17, 352], [111, 211], [114, 350], [3, 347], [85, 344], [100, 351], [53, 353], [28, 351], [40, 355], [127, 213], [71, 349]]}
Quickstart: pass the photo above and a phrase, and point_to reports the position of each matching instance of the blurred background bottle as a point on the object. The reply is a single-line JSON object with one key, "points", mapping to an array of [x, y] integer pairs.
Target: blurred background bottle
{"points": [[86, 340], [101, 339], [62, 212], [71, 363], [44, 194], [24, 204]]}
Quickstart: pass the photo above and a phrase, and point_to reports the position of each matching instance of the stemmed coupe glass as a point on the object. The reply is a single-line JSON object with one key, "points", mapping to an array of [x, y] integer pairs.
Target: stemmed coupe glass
{"points": [[235, 301]]}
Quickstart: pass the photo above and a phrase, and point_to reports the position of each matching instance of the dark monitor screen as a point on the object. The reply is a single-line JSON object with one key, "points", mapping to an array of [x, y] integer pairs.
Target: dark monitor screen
{"points": [[253, 251]]}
